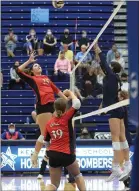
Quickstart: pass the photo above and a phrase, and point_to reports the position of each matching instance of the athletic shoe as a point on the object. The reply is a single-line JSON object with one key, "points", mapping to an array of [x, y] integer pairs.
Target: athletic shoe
{"points": [[34, 160], [40, 176], [126, 171], [116, 173]]}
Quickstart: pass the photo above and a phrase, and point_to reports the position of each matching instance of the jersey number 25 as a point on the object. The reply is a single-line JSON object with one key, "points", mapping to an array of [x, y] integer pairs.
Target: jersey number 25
{"points": [[57, 134]]}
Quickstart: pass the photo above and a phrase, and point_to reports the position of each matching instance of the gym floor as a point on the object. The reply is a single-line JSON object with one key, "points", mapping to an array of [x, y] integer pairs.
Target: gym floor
{"points": [[31, 183]]}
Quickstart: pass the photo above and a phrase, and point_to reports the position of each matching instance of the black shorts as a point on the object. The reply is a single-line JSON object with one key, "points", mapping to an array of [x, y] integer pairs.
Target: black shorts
{"points": [[117, 113], [58, 159], [47, 108]]}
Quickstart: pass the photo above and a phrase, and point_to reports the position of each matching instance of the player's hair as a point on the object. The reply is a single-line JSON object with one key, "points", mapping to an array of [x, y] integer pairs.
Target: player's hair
{"points": [[116, 67], [29, 70], [124, 94], [60, 106], [124, 75]]}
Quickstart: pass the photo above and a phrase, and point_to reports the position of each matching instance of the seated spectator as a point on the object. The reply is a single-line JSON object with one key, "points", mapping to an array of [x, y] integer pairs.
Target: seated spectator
{"points": [[68, 54], [95, 62], [10, 43], [111, 53], [12, 134], [49, 43], [66, 39], [1, 78], [31, 42], [118, 58], [15, 79], [62, 66], [86, 61], [100, 76], [84, 134], [83, 40], [124, 81], [89, 82]]}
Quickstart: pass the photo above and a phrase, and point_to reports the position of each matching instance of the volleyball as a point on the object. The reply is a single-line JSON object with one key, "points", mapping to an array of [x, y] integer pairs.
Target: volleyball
{"points": [[58, 4]]}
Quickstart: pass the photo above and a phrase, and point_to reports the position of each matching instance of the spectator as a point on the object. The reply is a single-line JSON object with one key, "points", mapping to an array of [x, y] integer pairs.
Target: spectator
{"points": [[84, 134], [1, 77], [89, 82], [15, 79], [95, 62], [49, 43], [119, 59], [11, 134], [68, 54], [124, 81], [10, 43], [86, 61], [100, 76], [111, 53], [83, 40], [66, 39], [31, 42], [62, 66]]}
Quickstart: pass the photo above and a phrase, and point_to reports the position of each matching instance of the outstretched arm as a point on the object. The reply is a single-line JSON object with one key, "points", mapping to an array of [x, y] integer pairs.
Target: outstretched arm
{"points": [[29, 61], [104, 66]]}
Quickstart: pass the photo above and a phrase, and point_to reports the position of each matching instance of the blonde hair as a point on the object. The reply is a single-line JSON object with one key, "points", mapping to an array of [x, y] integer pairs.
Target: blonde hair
{"points": [[60, 106], [124, 94]]}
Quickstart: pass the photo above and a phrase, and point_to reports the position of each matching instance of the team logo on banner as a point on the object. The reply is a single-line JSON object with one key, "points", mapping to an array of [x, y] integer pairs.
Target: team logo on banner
{"points": [[8, 159]]}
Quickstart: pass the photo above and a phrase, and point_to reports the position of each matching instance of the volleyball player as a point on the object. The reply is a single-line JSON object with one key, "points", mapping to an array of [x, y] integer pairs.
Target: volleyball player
{"points": [[62, 146], [111, 86], [44, 90]]}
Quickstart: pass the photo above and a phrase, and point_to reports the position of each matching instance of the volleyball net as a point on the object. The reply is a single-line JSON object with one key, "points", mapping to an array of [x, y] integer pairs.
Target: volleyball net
{"points": [[72, 74]]}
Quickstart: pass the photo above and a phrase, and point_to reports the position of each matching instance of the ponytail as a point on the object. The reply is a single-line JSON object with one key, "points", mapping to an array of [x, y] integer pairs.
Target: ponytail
{"points": [[59, 113]]}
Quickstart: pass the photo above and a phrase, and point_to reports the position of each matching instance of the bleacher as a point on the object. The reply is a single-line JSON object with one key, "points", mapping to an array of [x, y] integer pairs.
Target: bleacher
{"points": [[18, 104]]}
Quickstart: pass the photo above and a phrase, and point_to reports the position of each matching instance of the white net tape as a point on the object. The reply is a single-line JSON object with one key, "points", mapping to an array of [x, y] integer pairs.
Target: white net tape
{"points": [[72, 75], [103, 110]]}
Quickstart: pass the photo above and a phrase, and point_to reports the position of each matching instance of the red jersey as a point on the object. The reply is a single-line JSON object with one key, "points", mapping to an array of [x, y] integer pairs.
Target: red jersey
{"points": [[61, 133], [42, 86]]}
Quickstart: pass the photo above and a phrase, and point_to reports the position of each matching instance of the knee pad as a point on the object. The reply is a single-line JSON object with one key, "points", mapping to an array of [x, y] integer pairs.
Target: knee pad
{"points": [[40, 139], [124, 145], [116, 146], [78, 176]]}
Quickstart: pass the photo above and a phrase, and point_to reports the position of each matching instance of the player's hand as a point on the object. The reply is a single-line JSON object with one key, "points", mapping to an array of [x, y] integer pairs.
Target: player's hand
{"points": [[66, 92], [32, 57]]}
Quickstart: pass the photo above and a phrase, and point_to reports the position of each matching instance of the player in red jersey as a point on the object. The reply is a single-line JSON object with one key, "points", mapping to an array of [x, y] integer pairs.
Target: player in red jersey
{"points": [[62, 146], [44, 90]]}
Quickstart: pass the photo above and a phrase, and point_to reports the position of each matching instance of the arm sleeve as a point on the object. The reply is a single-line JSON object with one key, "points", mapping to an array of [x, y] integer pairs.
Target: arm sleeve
{"points": [[27, 78], [104, 66], [20, 136], [3, 135], [76, 104], [55, 89]]}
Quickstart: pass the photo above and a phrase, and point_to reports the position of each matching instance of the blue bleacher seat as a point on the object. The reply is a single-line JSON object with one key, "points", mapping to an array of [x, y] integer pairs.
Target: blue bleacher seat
{"points": [[91, 15]]}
